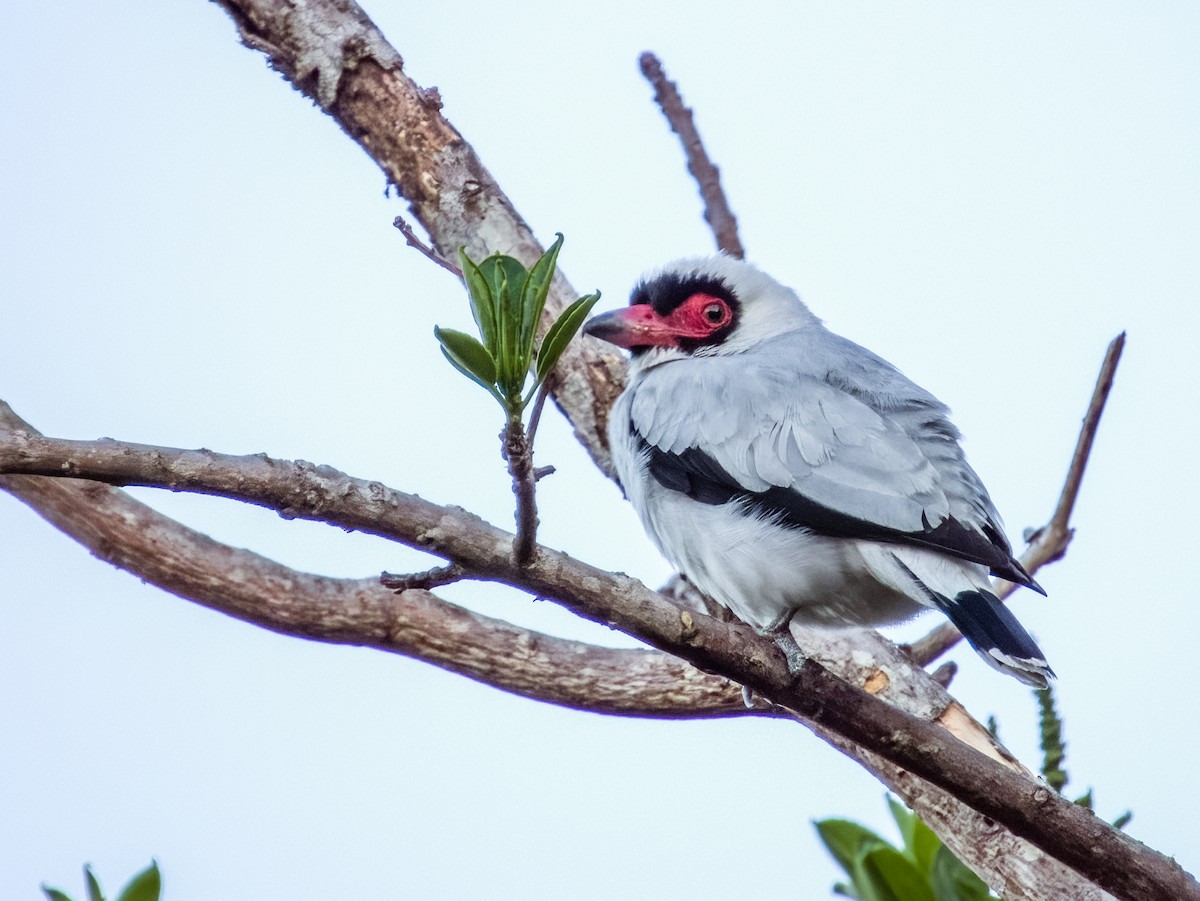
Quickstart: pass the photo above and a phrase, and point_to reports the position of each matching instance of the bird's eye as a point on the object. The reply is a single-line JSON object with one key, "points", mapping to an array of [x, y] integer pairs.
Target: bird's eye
{"points": [[714, 313]]}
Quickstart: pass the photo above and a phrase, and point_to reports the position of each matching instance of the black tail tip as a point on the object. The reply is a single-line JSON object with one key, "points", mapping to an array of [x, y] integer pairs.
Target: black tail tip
{"points": [[991, 629]]}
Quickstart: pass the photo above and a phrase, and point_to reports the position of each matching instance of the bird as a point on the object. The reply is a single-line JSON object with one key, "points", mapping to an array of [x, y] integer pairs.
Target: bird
{"points": [[793, 475]]}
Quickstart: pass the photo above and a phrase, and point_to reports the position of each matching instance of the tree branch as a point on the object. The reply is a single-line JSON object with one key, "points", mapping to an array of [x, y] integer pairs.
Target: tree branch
{"points": [[1071, 834], [518, 451], [717, 213], [239, 583], [332, 52], [1049, 543]]}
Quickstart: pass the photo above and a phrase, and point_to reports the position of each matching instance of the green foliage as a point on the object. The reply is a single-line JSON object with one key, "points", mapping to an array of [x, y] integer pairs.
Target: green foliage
{"points": [[1054, 750], [507, 302], [145, 886], [922, 869]]}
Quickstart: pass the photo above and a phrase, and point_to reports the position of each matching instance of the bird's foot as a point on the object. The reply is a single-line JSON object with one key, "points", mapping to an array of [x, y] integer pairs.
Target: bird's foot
{"points": [[792, 652]]}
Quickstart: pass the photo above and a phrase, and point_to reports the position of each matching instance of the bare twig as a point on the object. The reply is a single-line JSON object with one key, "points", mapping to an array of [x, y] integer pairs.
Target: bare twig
{"points": [[518, 451], [1070, 834], [427, 580], [716, 208], [1048, 543], [535, 415], [945, 673], [413, 241]]}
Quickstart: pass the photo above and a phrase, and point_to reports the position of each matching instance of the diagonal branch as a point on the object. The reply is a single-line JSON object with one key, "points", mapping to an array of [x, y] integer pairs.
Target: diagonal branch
{"points": [[1050, 542], [332, 52], [717, 213], [1069, 833]]}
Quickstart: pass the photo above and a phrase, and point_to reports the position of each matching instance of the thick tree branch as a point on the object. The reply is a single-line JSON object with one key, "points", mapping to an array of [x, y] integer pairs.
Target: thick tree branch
{"points": [[717, 213], [1050, 542], [128, 534], [1071, 834]]}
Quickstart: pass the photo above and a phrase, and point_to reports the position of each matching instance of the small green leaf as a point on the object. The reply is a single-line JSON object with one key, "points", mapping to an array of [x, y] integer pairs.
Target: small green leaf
{"points": [[1123, 820], [953, 880], [533, 296], [506, 277], [847, 841], [469, 357], [93, 886], [145, 886], [54, 894], [483, 304], [888, 875], [559, 335]]}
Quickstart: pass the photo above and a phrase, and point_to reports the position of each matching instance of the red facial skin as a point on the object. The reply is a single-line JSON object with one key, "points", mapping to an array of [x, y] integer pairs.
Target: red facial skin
{"points": [[696, 318]]}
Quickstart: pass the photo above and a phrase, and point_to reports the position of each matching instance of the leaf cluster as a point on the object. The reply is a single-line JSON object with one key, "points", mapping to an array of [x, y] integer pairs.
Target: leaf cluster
{"points": [[923, 869], [507, 302], [145, 886]]}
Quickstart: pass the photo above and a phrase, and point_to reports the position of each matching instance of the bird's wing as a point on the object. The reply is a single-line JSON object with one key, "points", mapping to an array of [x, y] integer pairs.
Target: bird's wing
{"points": [[820, 434]]}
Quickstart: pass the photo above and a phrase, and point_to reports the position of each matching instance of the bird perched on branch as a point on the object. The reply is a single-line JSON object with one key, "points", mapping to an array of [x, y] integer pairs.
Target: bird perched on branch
{"points": [[790, 473]]}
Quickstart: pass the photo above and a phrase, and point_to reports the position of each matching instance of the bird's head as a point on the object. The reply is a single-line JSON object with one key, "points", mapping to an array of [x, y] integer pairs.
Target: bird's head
{"points": [[701, 306]]}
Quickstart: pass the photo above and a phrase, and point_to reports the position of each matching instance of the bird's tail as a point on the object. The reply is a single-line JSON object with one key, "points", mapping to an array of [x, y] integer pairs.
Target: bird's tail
{"points": [[991, 629]]}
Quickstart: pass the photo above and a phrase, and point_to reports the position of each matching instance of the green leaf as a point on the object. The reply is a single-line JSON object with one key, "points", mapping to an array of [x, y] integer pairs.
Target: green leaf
{"points": [[559, 335], [506, 277], [483, 304], [920, 842], [953, 880], [1123, 820], [533, 295], [54, 894], [145, 886], [469, 357], [847, 841], [904, 819], [93, 886], [888, 875]]}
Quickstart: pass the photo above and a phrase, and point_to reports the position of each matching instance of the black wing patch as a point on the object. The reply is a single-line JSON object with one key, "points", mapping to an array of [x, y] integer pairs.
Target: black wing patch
{"points": [[701, 478]]}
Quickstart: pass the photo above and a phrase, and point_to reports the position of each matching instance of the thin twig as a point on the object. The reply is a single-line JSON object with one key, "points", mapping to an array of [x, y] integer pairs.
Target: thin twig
{"points": [[536, 415], [945, 673], [413, 241], [1049, 543], [716, 208], [518, 450], [429, 579]]}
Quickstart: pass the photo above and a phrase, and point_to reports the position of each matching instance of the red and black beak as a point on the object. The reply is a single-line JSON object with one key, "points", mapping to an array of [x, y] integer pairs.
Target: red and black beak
{"points": [[632, 327]]}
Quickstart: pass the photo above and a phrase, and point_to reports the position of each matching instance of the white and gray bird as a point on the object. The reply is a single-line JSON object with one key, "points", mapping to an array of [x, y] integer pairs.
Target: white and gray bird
{"points": [[790, 473]]}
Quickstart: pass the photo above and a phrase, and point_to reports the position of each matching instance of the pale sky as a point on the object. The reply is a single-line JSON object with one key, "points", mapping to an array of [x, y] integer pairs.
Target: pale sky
{"points": [[192, 255]]}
